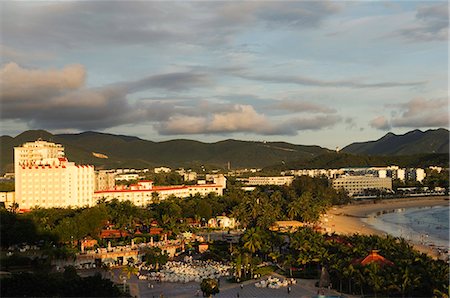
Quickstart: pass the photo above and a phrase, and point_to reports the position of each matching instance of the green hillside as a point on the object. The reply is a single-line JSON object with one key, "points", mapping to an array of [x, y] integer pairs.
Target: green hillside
{"points": [[335, 160], [125, 151], [413, 142]]}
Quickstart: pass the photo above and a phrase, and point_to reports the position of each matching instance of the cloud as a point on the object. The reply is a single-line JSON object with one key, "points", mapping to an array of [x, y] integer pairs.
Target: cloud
{"points": [[12, 54], [293, 125], [92, 23], [418, 112], [17, 83], [431, 23], [58, 98], [179, 81], [307, 81], [302, 106], [241, 119], [380, 122]]}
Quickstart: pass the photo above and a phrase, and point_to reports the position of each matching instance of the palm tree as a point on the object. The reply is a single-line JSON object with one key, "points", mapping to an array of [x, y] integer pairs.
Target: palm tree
{"points": [[289, 261], [406, 280], [252, 240], [128, 271]]}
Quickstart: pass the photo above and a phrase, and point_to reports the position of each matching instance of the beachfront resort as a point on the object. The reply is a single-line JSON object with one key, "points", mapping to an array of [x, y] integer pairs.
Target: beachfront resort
{"points": [[315, 232]]}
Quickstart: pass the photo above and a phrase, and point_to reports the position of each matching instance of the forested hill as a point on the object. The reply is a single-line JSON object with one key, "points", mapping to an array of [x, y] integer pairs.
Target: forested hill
{"points": [[334, 160], [413, 142], [118, 151]]}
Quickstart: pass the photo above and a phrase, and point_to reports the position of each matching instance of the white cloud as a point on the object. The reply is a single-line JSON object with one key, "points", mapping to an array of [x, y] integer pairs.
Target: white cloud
{"points": [[418, 112], [431, 24]]}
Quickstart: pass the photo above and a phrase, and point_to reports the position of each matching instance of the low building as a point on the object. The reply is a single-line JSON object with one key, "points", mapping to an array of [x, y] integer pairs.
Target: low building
{"points": [[222, 222], [416, 174], [105, 179], [277, 180], [7, 198], [286, 225], [162, 170], [144, 193], [355, 185], [127, 177], [187, 175]]}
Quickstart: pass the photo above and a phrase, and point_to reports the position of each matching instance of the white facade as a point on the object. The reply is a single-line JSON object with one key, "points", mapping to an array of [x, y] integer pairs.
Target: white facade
{"points": [[45, 178], [144, 193], [382, 173], [187, 175], [126, 177], [105, 179], [8, 198], [222, 222], [162, 170], [420, 175], [279, 180], [357, 184], [401, 174]]}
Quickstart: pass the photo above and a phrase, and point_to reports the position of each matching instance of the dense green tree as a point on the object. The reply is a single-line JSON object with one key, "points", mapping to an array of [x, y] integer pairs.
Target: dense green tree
{"points": [[209, 287], [67, 284]]}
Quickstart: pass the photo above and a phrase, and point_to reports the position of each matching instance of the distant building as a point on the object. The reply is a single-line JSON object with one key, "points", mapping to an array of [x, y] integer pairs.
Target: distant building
{"points": [[433, 168], [357, 184], [126, 177], [279, 180], [222, 222], [104, 180], [416, 174], [45, 178], [187, 175], [7, 198], [329, 173], [162, 170], [144, 192]]}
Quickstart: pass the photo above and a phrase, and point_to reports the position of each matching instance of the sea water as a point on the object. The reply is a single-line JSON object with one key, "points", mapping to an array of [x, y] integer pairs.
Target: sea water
{"points": [[423, 225]]}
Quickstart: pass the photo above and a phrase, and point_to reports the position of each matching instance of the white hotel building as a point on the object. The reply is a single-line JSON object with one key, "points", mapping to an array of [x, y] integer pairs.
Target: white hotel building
{"points": [[144, 193], [356, 185], [45, 178]]}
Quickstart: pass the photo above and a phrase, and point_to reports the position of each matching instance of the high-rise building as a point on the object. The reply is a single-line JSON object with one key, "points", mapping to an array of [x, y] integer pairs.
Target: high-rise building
{"points": [[45, 178]]}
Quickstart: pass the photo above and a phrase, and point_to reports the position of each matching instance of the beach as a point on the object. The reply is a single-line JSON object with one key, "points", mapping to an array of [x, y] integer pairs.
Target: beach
{"points": [[349, 219]]}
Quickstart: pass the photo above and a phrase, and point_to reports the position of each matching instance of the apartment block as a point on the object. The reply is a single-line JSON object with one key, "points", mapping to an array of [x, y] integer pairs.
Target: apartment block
{"points": [[45, 178], [357, 184]]}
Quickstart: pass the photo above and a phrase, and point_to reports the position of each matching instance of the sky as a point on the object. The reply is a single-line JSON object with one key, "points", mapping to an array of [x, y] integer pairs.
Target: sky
{"points": [[325, 73]]}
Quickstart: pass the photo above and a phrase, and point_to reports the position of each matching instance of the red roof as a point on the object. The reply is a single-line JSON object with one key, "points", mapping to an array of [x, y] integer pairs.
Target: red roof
{"points": [[159, 188], [155, 231], [375, 257], [113, 234]]}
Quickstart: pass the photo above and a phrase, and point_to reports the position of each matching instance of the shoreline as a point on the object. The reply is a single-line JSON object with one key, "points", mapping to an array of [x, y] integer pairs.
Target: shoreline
{"points": [[347, 219]]}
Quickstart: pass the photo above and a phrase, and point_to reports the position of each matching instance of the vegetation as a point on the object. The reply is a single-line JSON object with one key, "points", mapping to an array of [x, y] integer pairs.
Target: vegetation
{"points": [[411, 143], [67, 284], [412, 273], [132, 152], [341, 160], [304, 200], [7, 185], [209, 287], [300, 254]]}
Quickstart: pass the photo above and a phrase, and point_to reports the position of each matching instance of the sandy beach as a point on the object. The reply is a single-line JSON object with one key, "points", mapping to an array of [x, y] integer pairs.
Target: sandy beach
{"points": [[348, 219]]}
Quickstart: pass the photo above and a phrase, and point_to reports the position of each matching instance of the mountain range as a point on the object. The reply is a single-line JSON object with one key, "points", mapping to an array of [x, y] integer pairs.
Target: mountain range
{"points": [[413, 142], [118, 151]]}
